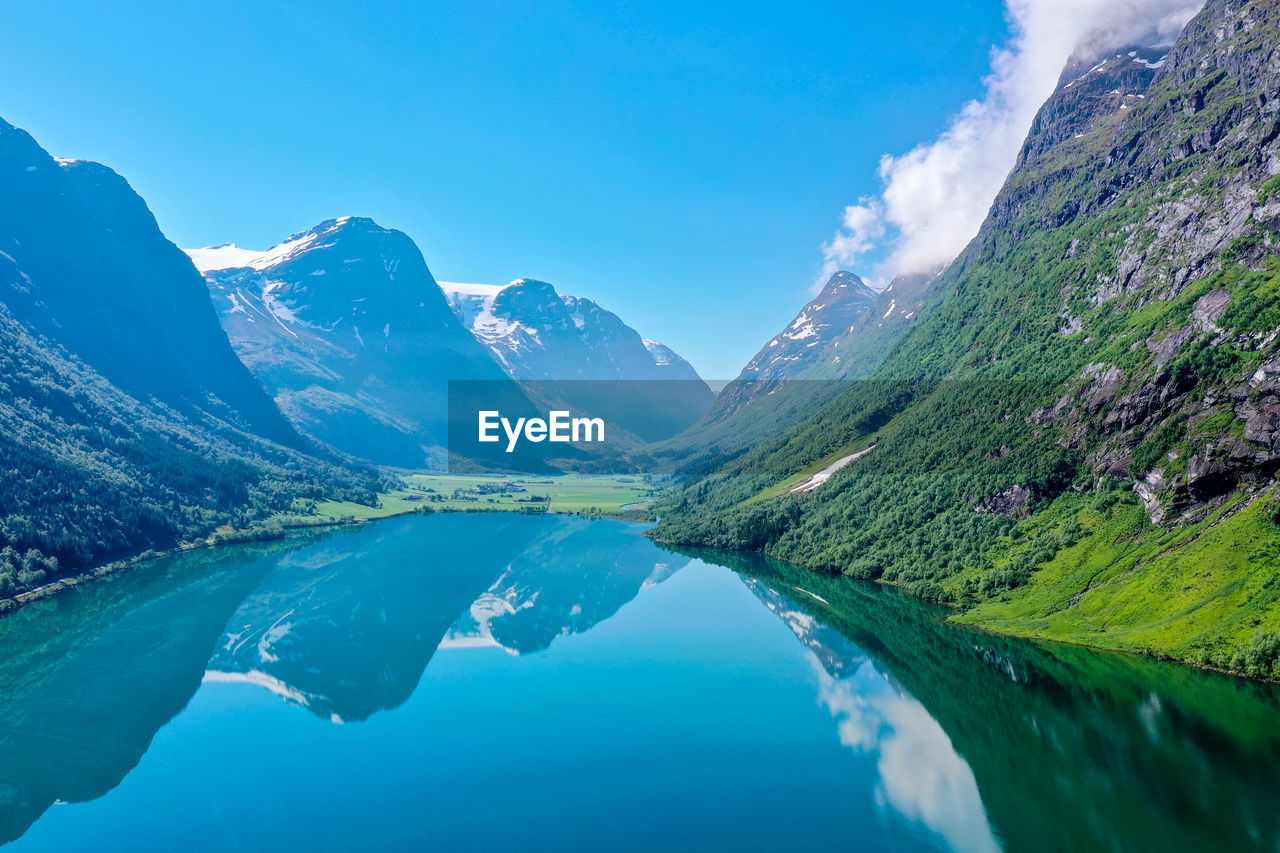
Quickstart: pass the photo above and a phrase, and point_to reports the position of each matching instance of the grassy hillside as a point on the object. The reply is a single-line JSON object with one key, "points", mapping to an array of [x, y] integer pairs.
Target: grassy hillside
{"points": [[1106, 345], [1097, 572]]}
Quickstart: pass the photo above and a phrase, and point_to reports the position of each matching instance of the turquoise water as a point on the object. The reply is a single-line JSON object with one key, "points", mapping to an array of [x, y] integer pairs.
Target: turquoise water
{"points": [[495, 682]]}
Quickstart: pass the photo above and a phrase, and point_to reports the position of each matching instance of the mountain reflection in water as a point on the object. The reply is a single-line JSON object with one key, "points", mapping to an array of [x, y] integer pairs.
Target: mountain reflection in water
{"points": [[882, 727]]}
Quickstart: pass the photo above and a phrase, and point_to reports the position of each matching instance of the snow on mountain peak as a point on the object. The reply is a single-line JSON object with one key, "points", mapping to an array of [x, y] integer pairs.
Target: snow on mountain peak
{"points": [[537, 333], [223, 256], [663, 355]]}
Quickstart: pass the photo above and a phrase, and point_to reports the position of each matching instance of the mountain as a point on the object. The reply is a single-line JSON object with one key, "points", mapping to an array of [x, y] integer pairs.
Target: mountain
{"points": [[1079, 438], [569, 353], [348, 330], [102, 280], [670, 364], [128, 421], [841, 334], [537, 334], [803, 348]]}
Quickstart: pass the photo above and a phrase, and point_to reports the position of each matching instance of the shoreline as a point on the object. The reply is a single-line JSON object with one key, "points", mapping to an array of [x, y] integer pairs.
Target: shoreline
{"points": [[14, 603], [953, 611]]}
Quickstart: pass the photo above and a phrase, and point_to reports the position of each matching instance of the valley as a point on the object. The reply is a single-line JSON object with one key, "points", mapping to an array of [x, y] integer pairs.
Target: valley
{"points": [[641, 427], [599, 495]]}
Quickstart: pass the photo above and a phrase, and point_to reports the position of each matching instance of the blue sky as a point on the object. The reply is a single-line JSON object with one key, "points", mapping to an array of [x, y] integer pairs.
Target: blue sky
{"points": [[682, 164]]}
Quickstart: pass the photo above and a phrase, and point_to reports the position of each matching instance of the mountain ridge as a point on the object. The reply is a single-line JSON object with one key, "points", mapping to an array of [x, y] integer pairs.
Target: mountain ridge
{"points": [[128, 422], [537, 333]]}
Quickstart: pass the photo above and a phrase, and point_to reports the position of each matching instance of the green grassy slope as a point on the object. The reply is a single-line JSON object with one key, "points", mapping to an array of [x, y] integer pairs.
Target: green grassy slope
{"points": [[1110, 332], [1207, 592]]}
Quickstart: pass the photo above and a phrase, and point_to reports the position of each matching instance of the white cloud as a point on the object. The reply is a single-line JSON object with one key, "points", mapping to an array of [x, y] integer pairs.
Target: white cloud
{"points": [[861, 227], [936, 195]]}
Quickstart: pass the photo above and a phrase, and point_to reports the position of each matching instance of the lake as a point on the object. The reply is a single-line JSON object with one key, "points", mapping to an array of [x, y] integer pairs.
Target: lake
{"points": [[521, 682]]}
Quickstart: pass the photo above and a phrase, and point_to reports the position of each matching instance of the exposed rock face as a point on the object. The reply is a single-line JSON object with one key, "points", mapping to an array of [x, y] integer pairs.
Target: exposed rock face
{"points": [[1012, 501], [804, 347], [1125, 278], [1176, 154]]}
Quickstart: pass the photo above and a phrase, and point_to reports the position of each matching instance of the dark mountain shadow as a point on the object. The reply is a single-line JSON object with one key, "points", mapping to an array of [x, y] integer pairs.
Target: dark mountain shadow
{"points": [[346, 628], [91, 675]]}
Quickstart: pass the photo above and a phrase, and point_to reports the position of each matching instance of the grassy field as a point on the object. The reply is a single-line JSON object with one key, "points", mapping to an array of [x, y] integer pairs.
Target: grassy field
{"points": [[595, 495], [1193, 593]]}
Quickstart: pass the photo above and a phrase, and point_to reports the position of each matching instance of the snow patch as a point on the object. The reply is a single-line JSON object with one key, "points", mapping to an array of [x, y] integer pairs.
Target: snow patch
{"points": [[224, 256]]}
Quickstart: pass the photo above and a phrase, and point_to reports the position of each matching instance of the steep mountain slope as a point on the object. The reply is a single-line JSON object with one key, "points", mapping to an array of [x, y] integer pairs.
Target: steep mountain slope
{"points": [[843, 332], [671, 365], [346, 327], [125, 417], [107, 285], [802, 349], [538, 334], [1107, 339]]}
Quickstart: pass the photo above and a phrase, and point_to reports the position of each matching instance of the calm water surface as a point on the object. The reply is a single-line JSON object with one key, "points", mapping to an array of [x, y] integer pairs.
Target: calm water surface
{"points": [[490, 682]]}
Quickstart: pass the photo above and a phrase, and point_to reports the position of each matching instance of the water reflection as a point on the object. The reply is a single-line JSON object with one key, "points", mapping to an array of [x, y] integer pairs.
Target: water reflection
{"points": [[346, 628], [963, 740], [1070, 749], [87, 679], [573, 576], [921, 776]]}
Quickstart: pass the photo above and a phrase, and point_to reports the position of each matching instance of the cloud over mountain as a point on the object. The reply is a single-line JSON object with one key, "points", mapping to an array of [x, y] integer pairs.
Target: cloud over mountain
{"points": [[935, 196]]}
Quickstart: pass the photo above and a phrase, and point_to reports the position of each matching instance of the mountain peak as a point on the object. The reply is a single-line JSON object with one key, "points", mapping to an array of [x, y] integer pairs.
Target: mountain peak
{"points": [[349, 223], [344, 323], [225, 256], [845, 285], [818, 342], [537, 333]]}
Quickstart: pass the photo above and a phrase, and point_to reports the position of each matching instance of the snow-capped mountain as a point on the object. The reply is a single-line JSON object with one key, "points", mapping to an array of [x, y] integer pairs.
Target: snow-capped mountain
{"points": [[538, 334], [346, 327], [842, 333], [803, 344], [828, 337]]}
